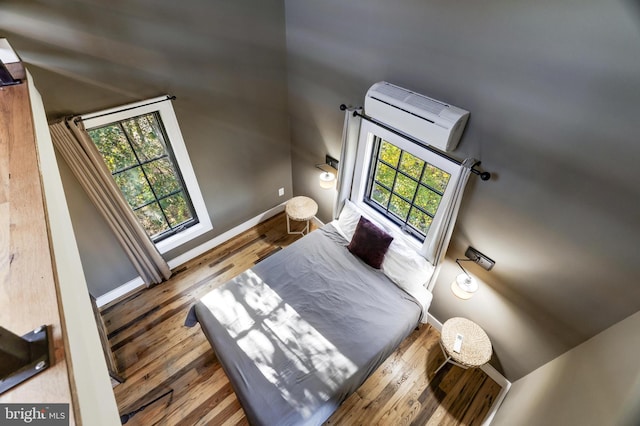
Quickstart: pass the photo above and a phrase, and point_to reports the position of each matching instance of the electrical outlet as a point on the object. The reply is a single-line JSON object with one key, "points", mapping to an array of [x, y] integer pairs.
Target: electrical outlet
{"points": [[280, 192], [479, 258]]}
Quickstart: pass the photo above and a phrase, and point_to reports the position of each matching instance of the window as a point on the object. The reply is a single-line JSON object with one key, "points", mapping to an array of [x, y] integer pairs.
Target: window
{"points": [[405, 188], [143, 149], [401, 183], [143, 167]]}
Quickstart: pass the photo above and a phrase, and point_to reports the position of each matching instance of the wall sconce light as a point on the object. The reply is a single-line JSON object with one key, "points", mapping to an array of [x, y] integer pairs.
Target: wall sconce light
{"points": [[329, 172], [465, 285]]}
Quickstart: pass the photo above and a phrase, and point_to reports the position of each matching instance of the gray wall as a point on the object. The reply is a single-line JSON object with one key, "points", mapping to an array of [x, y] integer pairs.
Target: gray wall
{"points": [[553, 88], [225, 62], [104, 263], [593, 384]]}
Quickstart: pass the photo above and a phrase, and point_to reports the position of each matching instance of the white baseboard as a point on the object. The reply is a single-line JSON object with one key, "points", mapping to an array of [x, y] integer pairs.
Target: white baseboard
{"points": [[434, 322], [317, 222], [226, 236], [489, 371], [137, 283], [502, 381], [120, 292]]}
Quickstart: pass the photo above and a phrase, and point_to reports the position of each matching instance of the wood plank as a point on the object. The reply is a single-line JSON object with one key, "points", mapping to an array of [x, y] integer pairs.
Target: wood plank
{"points": [[480, 405], [410, 406], [27, 279], [201, 397], [220, 412], [161, 371], [414, 376], [153, 414], [157, 351], [471, 382], [430, 397], [16, 69], [456, 400], [403, 402]]}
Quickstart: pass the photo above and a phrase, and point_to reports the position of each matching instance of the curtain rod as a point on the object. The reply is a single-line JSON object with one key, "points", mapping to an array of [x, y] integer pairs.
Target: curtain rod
{"points": [[483, 175], [167, 98]]}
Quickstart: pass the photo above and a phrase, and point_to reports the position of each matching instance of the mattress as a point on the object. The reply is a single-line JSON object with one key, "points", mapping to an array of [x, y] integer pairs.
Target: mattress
{"points": [[304, 328]]}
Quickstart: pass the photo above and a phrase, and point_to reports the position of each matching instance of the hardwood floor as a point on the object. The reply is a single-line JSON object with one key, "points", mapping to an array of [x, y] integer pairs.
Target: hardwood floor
{"points": [[157, 354]]}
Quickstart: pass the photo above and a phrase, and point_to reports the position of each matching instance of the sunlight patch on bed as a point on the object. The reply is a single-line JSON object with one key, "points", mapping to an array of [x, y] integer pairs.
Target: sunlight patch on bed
{"points": [[286, 349]]}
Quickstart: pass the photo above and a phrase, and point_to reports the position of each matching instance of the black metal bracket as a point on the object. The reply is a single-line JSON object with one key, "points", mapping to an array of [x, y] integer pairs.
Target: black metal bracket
{"points": [[329, 160], [6, 79], [330, 165], [22, 357], [476, 257]]}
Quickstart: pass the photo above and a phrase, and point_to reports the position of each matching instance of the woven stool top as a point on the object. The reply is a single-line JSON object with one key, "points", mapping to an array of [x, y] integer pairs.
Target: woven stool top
{"points": [[301, 208], [476, 346]]}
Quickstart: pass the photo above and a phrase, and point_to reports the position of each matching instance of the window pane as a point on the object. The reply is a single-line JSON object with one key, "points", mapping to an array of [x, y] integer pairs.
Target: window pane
{"points": [[145, 135], [405, 187], [380, 195], [417, 191], [142, 164], [427, 200], [390, 153], [162, 177], [176, 209], [436, 178], [399, 207], [134, 187], [113, 145], [152, 219], [420, 220], [411, 165], [385, 175]]}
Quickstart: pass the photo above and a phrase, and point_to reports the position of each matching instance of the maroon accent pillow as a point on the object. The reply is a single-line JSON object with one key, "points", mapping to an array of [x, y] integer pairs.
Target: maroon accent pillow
{"points": [[369, 243]]}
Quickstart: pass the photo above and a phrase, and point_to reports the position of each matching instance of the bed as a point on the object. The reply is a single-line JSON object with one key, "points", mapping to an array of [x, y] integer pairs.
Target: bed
{"points": [[303, 329]]}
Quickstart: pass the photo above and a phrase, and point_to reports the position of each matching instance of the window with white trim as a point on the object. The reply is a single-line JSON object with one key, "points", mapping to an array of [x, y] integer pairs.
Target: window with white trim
{"points": [[404, 187], [142, 146], [401, 183]]}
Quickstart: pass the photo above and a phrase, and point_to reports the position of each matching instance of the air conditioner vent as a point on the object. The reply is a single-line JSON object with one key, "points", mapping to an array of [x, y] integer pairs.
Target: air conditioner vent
{"points": [[426, 104], [392, 91]]}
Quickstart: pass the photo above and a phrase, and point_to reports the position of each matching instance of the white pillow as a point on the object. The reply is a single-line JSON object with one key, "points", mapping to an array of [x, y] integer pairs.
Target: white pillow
{"points": [[349, 218], [402, 264], [409, 270]]}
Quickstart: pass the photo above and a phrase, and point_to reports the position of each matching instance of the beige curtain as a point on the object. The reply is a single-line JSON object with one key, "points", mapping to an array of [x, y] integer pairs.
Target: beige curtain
{"points": [[437, 247], [350, 134], [82, 156]]}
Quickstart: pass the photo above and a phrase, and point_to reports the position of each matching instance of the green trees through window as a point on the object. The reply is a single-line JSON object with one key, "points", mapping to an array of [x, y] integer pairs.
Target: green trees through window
{"points": [[405, 188], [137, 154]]}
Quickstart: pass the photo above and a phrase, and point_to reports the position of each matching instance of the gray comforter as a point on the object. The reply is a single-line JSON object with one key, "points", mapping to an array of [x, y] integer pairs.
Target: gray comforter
{"points": [[303, 329]]}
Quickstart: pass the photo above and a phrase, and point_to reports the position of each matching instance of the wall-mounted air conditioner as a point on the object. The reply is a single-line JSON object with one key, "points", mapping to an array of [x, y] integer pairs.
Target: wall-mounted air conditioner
{"points": [[428, 120]]}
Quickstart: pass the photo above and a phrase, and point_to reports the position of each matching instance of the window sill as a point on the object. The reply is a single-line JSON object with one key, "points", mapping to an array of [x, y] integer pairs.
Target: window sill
{"points": [[183, 237], [408, 239]]}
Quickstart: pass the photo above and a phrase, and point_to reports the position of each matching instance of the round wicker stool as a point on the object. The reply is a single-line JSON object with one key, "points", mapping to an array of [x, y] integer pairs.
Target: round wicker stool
{"points": [[476, 346], [300, 209]]}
